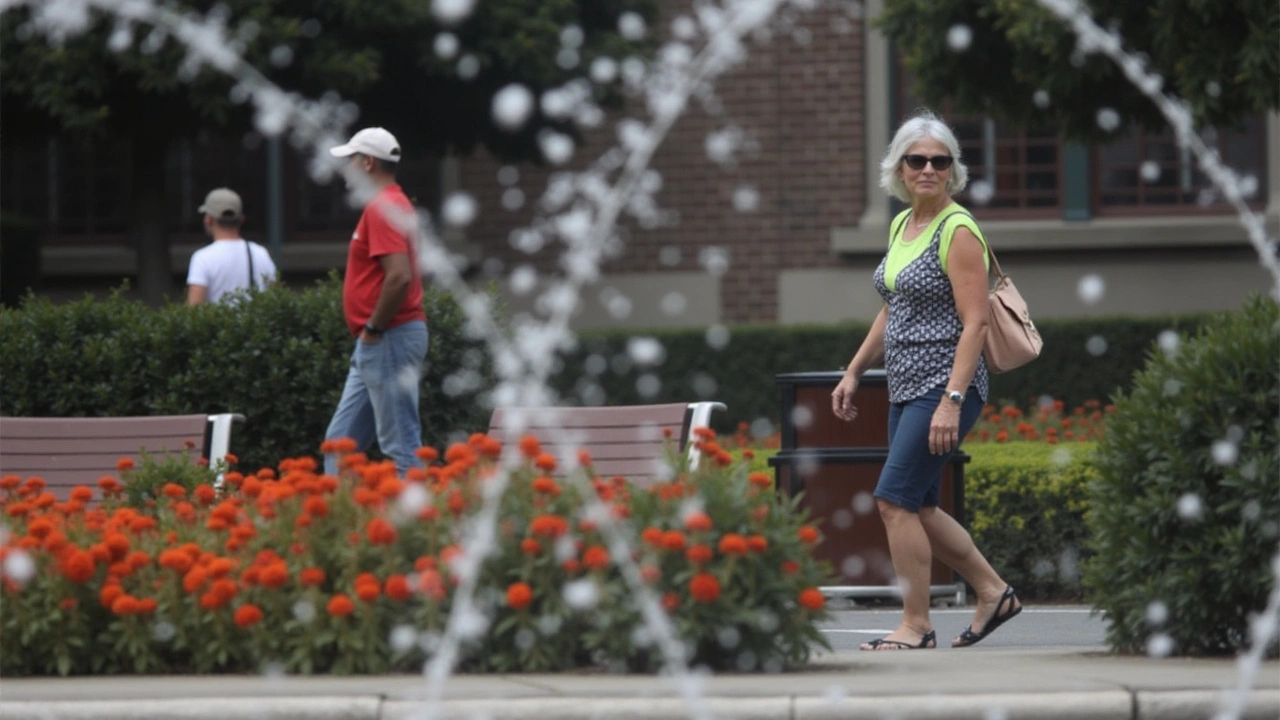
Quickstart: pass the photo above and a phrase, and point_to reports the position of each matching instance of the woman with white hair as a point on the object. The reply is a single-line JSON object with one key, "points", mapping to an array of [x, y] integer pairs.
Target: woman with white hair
{"points": [[929, 335]]}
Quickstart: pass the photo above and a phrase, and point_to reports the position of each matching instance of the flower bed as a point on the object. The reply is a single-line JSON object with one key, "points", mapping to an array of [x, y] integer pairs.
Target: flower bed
{"points": [[1048, 421], [311, 573]]}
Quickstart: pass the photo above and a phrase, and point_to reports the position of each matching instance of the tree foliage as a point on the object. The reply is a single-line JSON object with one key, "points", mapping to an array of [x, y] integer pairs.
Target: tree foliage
{"points": [[1220, 57]]}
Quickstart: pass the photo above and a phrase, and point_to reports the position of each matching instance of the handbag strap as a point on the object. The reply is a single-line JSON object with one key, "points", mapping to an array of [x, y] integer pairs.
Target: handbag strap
{"points": [[248, 250], [994, 270]]}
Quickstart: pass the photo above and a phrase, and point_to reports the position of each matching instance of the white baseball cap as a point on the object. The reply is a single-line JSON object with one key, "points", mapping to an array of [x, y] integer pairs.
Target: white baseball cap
{"points": [[223, 204], [375, 142]]}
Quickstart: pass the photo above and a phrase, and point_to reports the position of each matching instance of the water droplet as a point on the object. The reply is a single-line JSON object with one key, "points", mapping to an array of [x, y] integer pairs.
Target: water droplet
{"points": [[1157, 613], [1091, 289], [1040, 98], [525, 639], [853, 566], [549, 624], [567, 58], [19, 567], [1225, 452], [571, 36], [981, 191], [452, 12], [1169, 341], [281, 56], [1061, 457], [959, 37], [1160, 645], [1150, 171], [512, 199], [801, 416], [468, 67], [631, 26], [761, 427], [556, 147], [311, 28], [412, 500], [1190, 507], [459, 209], [729, 637], [1096, 346], [512, 106], [1248, 185], [669, 255], [403, 638], [864, 503], [718, 336], [581, 594], [471, 623], [508, 175], [674, 303], [304, 611], [1252, 510], [715, 260], [1172, 387], [705, 386], [995, 713], [1108, 119], [684, 28], [842, 519], [746, 661], [604, 70], [1213, 88], [163, 631], [446, 46], [746, 199], [648, 385], [646, 350]]}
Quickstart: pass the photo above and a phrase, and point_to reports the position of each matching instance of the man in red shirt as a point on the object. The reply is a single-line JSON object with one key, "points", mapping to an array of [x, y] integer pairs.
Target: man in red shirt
{"points": [[382, 303]]}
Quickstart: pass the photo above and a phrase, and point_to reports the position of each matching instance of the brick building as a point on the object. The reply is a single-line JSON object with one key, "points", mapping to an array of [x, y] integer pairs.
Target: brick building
{"points": [[817, 104]]}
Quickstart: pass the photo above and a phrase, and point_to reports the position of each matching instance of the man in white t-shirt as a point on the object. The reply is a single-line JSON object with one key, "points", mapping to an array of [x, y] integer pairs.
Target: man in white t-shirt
{"points": [[229, 262]]}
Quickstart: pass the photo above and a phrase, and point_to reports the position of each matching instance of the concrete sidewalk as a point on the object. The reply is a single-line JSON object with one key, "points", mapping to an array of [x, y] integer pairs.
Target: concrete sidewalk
{"points": [[977, 683]]}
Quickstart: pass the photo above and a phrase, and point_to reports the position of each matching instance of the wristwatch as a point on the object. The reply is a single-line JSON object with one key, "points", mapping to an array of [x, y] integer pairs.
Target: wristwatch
{"points": [[955, 396], [373, 329]]}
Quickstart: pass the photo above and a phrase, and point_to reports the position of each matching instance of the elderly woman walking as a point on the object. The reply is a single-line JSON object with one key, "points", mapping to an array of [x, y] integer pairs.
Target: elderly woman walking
{"points": [[929, 335]]}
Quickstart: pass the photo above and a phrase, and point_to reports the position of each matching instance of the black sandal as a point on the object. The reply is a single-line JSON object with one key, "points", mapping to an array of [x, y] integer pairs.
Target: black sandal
{"points": [[928, 642], [1001, 616]]}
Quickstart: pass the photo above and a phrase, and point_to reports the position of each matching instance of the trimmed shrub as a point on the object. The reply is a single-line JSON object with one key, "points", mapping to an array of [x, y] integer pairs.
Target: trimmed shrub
{"points": [[1183, 516], [279, 358], [1026, 505], [736, 365]]}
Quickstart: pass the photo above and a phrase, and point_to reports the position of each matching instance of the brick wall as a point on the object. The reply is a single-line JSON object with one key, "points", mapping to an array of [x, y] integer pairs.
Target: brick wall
{"points": [[798, 98]]}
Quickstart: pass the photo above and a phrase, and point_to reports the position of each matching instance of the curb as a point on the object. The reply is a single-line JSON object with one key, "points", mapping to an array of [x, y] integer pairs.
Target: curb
{"points": [[1094, 705]]}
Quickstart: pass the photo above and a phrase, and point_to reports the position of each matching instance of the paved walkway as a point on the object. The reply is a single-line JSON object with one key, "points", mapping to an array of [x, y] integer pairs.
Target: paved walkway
{"points": [[977, 683]]}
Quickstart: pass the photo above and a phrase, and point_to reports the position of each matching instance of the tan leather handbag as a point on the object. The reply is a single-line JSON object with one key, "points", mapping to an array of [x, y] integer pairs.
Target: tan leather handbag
{"points": [[1012, 339]]}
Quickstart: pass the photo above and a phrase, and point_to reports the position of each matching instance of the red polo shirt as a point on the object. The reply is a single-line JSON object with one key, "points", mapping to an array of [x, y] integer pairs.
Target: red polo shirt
{"points": [[377, 235]]}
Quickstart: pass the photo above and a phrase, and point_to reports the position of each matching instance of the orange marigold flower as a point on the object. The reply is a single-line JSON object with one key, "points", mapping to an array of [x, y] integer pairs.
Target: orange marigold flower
{"points": [[595, 558], [530, 447], [431, 584], [316, 506], [46, 500], [704, 433], [311, 577], [812, 599], [124, 464], [427, 454], [107, 596], [9, 482], [1002, 436], [807, 534], [138, 560], [530, 547], [368, 591], [340, 606], [146, 606], [545, 462], [456, 502], [670, 602], [248, 615], [704, 588], [650, 573], [584, 458], [380, 532], [652, 536], [697, 522], [117, 544], [40, 528], [758, 543], [82, 493], [195, 579], [67, 604], [220, 567], [790, 567], [549, 526], [273, 575], [519, 595], [698, 554], [77, 566], [545, 486], [205, 494], [398, 588], [760, 479], [173, 490], [125, 605], [673, 540], [733, 544]]}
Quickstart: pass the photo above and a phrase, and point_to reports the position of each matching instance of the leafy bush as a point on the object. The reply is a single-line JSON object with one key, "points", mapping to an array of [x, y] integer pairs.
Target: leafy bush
{"points": [[347, 575], [737, 365], [1184, 512], [1026, 505], [279, 358]]}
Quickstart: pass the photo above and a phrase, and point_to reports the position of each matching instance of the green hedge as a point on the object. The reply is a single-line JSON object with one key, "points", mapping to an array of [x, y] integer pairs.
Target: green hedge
{"points": [[279, 358], [741, 372], [1026, 505]]}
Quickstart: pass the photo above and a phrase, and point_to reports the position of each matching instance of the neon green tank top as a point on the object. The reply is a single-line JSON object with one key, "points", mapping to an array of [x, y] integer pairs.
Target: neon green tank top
{"points": [[903, 254]]}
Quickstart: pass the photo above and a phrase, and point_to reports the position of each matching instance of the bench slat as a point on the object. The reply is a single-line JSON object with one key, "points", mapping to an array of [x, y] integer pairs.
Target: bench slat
{"points": [[671, 414], [15, 447], [12, 428]]}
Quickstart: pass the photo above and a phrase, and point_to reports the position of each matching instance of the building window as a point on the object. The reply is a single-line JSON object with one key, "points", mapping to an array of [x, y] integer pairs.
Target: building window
{"points": [[1013, 173], [1148, 173]]}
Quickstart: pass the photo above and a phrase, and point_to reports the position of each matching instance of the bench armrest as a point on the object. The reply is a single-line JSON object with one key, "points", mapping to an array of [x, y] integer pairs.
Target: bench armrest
{"points": [[220, 439], [700, 417]]}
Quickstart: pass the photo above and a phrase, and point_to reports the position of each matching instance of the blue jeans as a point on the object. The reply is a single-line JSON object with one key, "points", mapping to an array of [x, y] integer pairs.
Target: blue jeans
{"points": [[912, 476], [380, 398]]}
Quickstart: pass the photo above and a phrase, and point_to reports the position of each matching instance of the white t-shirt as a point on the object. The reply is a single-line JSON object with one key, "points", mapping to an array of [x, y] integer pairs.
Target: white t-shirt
{"points": [[222, 266]]}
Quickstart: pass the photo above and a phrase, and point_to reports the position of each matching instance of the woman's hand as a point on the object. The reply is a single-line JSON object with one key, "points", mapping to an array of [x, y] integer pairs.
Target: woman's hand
{"points": [[842, 399], [944, 429]]}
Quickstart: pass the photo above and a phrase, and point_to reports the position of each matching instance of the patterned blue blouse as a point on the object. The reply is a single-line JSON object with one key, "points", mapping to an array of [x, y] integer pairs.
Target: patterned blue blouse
{"points": [[923, 327]]}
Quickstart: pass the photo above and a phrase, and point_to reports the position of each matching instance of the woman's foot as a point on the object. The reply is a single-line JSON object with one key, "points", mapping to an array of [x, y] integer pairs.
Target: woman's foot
{"points": [[904, 638], [993, 611]]}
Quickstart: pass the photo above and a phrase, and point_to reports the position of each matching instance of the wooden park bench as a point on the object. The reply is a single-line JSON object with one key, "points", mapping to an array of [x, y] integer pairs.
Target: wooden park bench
{"points": [[71, 451], [631, 441]]}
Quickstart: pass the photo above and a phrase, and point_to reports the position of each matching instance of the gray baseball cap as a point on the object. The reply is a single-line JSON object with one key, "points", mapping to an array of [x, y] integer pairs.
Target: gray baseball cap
{"points": [[222, 204]]}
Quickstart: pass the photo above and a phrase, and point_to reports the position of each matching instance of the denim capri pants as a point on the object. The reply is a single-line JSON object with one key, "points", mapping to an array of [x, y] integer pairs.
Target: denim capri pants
{"points": [[912, 476]]}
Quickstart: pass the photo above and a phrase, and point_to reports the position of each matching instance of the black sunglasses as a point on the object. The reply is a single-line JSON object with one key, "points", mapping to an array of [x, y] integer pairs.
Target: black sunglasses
{"points": [[917, 162]]}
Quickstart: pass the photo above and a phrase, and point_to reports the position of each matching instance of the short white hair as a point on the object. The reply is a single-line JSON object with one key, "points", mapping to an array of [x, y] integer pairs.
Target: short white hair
{"points": [[923, 124]]}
